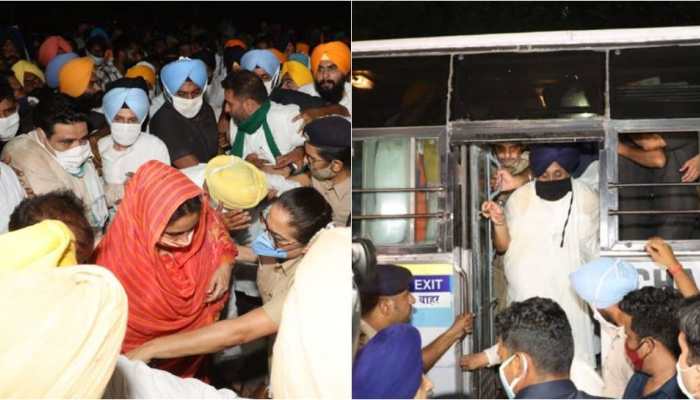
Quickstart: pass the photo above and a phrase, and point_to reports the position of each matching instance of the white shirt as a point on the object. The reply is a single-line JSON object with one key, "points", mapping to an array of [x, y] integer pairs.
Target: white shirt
{"points": [[346, 101], [11, 194], [116, 164], [136, 380], [616, 369], [285, 132]]}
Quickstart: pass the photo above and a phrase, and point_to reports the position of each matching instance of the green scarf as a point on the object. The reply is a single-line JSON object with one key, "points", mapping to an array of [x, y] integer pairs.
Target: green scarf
{"points": [[250, 126]]}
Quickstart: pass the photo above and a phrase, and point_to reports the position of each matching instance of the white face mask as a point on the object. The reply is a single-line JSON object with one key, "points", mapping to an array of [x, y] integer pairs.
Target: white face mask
{"points": [[9, 127], [97, 60], [508, 387], [188, 108], [125, 134], [681, 384], [74, 159], [606, 325]]}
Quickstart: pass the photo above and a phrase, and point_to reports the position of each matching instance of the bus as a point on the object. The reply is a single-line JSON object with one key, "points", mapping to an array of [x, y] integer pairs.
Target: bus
{"points": [[427, 112]]}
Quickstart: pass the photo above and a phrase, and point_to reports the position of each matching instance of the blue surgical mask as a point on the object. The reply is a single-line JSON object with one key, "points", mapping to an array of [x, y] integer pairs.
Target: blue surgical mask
{"points": [[264, 246]]}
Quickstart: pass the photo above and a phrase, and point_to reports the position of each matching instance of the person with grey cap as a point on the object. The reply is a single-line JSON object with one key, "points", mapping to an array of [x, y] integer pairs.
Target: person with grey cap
{"points": [[387, 301]]}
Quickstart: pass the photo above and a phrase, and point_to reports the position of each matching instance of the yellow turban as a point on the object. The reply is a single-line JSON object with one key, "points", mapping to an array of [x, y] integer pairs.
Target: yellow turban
{"points": [[21, 67], [62, 331], [336, 52], [298, 72], [144, 72], [235, 183], [74, 77], [44, 245]]}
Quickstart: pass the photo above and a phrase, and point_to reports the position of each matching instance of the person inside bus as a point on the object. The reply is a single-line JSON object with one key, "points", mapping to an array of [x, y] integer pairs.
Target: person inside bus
{"points": [[668, 158], [537, 346], [78, 79], [390, 366], [652, 342], [688, 366], [387, 301], [515, 163], [549, 228], [293, 220]]}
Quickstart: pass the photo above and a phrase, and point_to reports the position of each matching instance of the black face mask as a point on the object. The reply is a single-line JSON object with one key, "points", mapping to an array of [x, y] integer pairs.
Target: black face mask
{"points": [[553, 190]]}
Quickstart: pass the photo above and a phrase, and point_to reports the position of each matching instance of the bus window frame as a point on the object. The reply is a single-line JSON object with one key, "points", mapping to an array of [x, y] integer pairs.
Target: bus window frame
{"points": [[610, 242], [445, 237]]}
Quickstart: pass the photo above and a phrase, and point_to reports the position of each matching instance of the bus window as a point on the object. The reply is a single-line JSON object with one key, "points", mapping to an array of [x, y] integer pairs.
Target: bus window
{"points": [[654, 160], [403, 91], [660, 82], [396, 163], [528, 85]]}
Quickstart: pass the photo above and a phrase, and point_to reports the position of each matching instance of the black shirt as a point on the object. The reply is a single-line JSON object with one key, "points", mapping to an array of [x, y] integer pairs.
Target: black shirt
{"points": [[303, 100], [635, 388], [196, 136], [561, 389]]}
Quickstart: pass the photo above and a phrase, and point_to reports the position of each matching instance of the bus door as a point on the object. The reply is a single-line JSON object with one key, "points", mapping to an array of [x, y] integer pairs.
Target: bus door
{"points": [[403, 200]]}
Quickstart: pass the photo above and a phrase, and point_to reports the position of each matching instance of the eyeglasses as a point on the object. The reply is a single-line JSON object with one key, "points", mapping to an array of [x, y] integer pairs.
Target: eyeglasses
{"points": [[279, 240]]}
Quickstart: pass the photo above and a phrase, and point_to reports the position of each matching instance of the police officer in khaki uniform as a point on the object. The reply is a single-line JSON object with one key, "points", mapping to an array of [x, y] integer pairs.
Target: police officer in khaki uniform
{"points": [[387, 301], [328, 157]]}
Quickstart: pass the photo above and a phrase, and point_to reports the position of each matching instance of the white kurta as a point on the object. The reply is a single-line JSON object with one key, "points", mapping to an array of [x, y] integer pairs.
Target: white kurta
{"points": [[116, 164], [11, 194], [536, 265], [616, 369], [346, 101], [286, 133]]}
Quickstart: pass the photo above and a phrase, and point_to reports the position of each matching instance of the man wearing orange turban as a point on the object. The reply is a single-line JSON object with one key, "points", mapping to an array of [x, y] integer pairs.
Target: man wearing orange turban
{"points": [[53, 46], [78, 79], [330, 64]]}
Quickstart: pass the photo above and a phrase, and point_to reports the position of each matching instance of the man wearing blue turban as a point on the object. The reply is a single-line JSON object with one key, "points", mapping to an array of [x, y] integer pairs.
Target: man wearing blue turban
{"points": [[186, 123], [548, 229], [54, 67], [264, 64], [127, 148], [602, 283], [390, 366]]}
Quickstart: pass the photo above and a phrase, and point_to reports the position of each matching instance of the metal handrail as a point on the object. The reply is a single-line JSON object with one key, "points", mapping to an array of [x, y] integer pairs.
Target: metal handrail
{"points": [[660, 184], [649, 212], [401, 190], [401, 216]]}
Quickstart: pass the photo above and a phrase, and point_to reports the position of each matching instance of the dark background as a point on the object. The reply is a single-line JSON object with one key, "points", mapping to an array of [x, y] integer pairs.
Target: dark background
{"points": [[389, 20], [246, 16]]}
